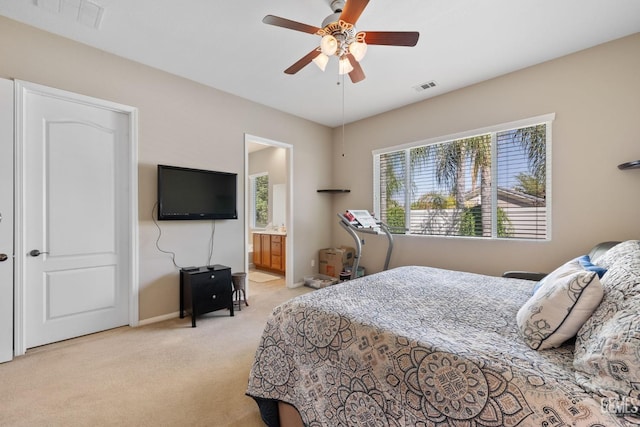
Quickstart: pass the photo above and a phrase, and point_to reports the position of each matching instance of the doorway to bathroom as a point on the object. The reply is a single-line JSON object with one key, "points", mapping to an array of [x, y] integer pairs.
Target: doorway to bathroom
{"points": [[268, 223]]}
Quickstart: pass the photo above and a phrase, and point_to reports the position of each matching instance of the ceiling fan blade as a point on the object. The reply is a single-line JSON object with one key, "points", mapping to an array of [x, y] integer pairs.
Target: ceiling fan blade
{"points": [[352, 10], [292, 25], [302, 62], [356, 75], [392, 38]]}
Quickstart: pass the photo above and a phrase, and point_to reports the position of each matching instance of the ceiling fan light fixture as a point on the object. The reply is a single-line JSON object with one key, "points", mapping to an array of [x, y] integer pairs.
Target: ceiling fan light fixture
{"points": [[339, 37], [321, 61], [358, 50], [344, 66], [328, 45]]}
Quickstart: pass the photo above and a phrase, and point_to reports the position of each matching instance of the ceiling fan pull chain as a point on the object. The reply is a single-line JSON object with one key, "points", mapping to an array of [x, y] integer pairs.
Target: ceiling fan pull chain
{"points": [[343, 115]]}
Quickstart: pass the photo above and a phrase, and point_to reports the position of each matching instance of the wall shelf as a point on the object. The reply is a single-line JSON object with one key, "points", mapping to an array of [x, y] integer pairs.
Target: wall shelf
{"points": [[334, 190], [629, 165]]}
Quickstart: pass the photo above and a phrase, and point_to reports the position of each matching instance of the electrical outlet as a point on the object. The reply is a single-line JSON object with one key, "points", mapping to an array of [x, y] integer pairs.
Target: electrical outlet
{"points": [[313, 263]]}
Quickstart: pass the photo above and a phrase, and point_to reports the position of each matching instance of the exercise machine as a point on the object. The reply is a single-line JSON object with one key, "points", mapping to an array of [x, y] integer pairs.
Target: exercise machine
{"points": [[361, 221]]}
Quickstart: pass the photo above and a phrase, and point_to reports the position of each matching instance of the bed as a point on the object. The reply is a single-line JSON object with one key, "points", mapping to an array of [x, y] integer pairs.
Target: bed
{"points": [[421, 346]]}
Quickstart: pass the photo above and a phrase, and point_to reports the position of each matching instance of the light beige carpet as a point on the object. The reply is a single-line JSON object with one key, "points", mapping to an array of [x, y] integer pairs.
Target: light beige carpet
{"points": [[164, 374], [260, 277]]}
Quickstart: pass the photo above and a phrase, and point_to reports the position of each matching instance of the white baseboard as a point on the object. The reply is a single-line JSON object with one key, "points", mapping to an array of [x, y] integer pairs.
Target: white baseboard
{"points": [[159, 318], [177, 314]]}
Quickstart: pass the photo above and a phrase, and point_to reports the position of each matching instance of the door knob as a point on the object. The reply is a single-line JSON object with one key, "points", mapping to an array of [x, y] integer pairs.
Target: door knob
{"points": [[3, 257], [36, 252]]}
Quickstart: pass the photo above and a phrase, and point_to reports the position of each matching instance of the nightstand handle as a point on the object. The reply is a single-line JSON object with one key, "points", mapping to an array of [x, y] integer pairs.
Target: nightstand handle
{"points": [[213, 276], [213, 296]]}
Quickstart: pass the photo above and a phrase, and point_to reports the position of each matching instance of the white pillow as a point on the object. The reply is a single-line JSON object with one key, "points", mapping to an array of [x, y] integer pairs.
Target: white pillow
{"points": [[567, 298], [607, 351]]}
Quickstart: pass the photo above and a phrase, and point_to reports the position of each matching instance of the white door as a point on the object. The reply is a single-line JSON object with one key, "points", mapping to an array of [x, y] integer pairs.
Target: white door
{"points": [[6, 220], [76, 202]]}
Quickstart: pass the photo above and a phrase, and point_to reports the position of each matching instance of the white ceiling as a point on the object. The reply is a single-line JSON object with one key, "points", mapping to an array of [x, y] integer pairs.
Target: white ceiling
{"points": [[224, 44]]}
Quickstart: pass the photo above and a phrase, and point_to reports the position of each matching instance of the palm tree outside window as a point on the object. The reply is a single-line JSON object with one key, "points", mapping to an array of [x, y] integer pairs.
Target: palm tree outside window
{"points": [[489, 184]]}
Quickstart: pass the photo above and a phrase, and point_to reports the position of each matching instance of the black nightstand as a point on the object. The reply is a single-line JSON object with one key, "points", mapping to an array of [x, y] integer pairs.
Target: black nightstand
{"points": [[205, 289]]}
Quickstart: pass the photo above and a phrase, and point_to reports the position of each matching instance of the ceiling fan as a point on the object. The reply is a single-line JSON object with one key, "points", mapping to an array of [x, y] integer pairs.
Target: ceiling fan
{"points": [[340, 38]]}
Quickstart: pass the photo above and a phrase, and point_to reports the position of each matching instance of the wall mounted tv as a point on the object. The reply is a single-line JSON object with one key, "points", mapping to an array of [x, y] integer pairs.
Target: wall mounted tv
{"points": [[194, 194]]}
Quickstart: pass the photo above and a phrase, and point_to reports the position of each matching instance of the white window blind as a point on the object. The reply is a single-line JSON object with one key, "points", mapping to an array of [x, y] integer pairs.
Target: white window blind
{"points": [[490, 184], [393, 177]]}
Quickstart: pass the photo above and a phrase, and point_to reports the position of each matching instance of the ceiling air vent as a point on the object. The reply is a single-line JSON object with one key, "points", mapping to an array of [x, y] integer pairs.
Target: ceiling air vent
{"points": [[425, 86], [85, 12]]}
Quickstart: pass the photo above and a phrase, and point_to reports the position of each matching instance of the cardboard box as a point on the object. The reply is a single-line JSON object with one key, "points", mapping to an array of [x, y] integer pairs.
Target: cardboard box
{"points": [[333, 260], [349, 254]]}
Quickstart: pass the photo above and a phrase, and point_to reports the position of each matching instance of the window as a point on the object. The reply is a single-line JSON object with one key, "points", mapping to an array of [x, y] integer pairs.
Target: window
{"points": [[489, 183], [259, 200]]}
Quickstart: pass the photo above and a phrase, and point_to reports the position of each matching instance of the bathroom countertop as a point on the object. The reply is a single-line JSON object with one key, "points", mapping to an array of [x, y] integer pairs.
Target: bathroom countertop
{"points": [[274, 232]]}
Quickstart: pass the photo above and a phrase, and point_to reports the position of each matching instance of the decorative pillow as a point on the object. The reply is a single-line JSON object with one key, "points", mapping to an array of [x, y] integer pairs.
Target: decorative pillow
{"points": [[537, 287], [607, 352], [586, 263], [565, 300]]}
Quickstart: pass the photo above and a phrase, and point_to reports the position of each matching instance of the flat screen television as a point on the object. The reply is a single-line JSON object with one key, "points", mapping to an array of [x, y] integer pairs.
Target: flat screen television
{"points": [[192, 194]]}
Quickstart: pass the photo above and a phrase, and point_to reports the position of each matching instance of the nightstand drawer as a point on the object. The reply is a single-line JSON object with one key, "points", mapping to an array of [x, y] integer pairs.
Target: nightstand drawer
{"points": [[209, 289], [204, 290]]}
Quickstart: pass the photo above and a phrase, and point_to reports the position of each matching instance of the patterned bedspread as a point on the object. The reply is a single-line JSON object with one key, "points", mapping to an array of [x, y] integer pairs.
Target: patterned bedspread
{"points": [[417, 346]]}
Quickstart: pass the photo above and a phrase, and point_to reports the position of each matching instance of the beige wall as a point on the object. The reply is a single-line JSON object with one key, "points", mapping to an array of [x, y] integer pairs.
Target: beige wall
{"points": [[596, 97], [187, 124]]}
